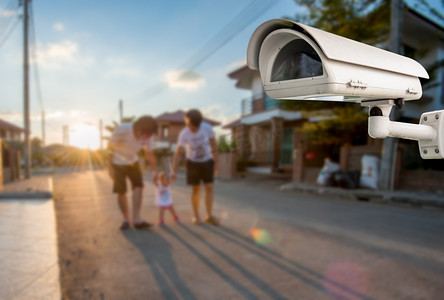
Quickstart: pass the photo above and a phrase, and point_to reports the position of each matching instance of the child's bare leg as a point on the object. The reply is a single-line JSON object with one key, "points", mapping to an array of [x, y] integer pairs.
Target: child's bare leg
{"points": [[173, 212], [161, 214]]}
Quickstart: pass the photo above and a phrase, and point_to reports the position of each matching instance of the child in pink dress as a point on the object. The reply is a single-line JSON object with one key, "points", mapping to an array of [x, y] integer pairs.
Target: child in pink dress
{"points": [[163, 197]]}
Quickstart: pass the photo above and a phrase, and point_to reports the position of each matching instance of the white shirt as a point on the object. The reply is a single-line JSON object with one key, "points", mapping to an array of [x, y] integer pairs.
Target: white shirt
{"points": [[125, 146], [197, 144], [163, 195]]}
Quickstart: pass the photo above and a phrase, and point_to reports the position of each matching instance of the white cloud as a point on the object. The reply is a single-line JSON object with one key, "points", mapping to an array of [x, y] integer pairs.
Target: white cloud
{"points": [[58, 27], [55, 115], [17, 117], [187, 80], [236, 65], [8, 13], [217, 112], [72, 115], [58, 55]]}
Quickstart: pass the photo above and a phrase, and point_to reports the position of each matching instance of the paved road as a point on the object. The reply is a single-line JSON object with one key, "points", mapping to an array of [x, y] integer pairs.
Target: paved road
{"points": [[272, 245]]}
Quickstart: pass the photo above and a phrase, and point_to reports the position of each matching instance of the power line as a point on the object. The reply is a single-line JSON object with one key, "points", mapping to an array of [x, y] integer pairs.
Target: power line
{"points": [[5, 20], [8, 34], [253, 10]]}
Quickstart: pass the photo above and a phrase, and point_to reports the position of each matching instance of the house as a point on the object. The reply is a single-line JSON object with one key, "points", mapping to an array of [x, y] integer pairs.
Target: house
{"points": [[423, 40], [264, 134], [10, 157], [169, 126], [268, 136], [10, 132]]}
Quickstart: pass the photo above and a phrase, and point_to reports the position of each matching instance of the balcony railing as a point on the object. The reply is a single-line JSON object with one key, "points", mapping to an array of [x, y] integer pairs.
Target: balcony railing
{"points": [[256, 104]]}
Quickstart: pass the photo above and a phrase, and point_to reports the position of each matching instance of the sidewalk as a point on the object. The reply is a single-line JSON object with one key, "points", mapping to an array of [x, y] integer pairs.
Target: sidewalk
{"points": [[28, 250], [412, 197], [37, 187]]}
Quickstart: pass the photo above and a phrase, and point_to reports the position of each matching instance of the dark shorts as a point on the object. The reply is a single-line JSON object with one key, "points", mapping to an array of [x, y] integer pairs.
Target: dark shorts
{"points": [[121, 172], [198, 172]]}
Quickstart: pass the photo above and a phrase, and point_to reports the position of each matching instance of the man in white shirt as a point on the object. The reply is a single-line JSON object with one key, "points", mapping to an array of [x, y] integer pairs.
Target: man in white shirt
{"points": [[125, 142], [202, 161]]}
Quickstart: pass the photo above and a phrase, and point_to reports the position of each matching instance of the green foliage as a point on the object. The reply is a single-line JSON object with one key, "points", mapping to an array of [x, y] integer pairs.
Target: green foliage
{"points": [[362, 20], [347, 124], [225, 146], [36, 151]]}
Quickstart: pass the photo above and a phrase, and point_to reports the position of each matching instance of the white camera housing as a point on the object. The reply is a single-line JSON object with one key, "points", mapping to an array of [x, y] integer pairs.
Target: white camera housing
{"points": [[300, 62]]}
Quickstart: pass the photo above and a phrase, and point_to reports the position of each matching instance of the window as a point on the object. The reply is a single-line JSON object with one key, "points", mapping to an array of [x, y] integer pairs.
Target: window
{"points": [[165, 131]]}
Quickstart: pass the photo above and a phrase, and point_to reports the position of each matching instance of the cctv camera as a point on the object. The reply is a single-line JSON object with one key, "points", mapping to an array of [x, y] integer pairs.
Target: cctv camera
{"points": [[300, 62]]}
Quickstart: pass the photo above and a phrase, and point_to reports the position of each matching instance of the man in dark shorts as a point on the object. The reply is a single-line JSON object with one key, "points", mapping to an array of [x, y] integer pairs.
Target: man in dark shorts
{"points": [[202, 161], [125, 142]]}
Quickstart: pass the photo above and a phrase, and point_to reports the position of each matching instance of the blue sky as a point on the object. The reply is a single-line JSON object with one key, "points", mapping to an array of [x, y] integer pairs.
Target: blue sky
{"points": [[92, 53]]}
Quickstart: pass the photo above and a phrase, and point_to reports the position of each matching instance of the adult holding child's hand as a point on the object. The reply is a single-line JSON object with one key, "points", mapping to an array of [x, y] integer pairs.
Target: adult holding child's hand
{"points": [[202, 161]]}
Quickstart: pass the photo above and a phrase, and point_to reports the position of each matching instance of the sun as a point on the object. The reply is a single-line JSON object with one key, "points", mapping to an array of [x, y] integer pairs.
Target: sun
{"points": [[85, 137]]}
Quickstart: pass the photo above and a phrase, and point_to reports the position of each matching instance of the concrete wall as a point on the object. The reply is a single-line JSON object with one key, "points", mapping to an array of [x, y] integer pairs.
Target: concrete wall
{"points": [[227, 164], [431, 181], [351, 156]]}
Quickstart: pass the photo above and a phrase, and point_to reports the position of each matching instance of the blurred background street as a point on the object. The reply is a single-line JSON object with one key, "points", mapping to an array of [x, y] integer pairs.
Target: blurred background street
{"points": [[271, 245]]}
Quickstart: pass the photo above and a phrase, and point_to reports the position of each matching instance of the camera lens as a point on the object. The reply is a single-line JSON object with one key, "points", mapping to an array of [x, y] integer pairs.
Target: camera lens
{"points": [[296, 60]]}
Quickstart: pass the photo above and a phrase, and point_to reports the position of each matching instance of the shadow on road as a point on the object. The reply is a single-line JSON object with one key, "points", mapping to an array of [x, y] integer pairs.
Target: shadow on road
{"points": [[157, 253], [319, 280], [233, 283], [260, 284]]}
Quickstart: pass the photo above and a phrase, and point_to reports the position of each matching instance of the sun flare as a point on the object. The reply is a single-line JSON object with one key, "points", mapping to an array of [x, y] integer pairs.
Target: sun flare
{"points": [[85, 137]]}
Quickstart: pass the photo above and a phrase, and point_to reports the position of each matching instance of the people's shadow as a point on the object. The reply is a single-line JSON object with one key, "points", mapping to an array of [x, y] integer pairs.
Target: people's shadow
{"points": [[256, 280], [241, 289], [157, 253], [315, 280]]}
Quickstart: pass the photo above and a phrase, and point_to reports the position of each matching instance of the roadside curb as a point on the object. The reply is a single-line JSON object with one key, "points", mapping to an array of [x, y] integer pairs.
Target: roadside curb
{"points": [[26, 195], [411, 197], [38, 187]]}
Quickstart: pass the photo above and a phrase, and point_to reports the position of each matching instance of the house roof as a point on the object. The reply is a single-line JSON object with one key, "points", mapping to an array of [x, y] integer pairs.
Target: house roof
{"points": [[244, 76], [233, 124], [178, 117], [9, 126], [266, 116]]}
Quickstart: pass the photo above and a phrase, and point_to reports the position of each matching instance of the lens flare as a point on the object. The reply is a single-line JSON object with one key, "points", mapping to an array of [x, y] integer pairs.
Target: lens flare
{"points": [[261, 236]]}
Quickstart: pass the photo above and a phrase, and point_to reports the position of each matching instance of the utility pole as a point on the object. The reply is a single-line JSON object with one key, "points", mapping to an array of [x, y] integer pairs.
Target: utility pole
{"points": [[101, 134], [66, 135], [390, 145], [121, 110], [26, 114], [43, 129]]}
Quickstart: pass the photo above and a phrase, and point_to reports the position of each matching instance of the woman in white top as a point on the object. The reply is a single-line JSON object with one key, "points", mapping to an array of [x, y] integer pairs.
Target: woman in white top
{"points": [[202, 162], [163, 197]]}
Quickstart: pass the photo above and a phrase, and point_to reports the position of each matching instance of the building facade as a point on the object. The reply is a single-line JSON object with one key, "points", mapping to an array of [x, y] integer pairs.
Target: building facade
{"points": [[170, 124]]}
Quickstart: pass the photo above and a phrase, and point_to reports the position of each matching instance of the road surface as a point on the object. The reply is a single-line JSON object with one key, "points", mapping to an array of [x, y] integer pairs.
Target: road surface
{"points": [[271, 245]]}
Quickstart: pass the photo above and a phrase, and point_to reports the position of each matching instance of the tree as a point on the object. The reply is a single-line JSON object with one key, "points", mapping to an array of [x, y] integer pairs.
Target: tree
{"points": [[362, 20], [115, 124], [347, 124]]}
